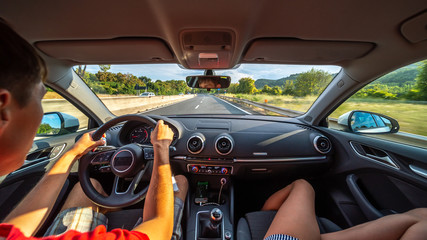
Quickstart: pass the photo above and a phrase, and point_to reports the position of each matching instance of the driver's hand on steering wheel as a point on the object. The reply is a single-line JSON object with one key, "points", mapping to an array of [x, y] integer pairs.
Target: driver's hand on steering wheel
{"points": [[85, 144], [162, 135]]}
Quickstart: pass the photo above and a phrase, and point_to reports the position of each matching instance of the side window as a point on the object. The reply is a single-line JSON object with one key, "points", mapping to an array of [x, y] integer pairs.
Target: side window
{"points": [[401, 95], [60, 117]]}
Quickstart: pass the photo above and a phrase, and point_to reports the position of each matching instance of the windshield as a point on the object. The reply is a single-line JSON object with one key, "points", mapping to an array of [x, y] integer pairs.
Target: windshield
{"points": [[266, 89]]}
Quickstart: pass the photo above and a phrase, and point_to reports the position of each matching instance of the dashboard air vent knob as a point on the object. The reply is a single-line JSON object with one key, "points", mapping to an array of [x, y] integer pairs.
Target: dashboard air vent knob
{"points": [[224, 145], [195, 144], [322, 144]]}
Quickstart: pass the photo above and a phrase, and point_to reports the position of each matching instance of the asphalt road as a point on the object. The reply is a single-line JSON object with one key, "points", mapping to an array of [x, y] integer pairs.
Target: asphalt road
{"points": [[201, 104]]}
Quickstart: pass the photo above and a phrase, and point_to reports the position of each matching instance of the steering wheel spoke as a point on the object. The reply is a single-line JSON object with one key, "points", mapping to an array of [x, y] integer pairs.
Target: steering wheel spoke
{"points": [[117, 192], [148, 153], [102, 157], [131, 161]]}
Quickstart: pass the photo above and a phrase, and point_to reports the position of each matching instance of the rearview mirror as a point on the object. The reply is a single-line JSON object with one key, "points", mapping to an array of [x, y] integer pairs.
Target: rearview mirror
{"points": [[57, 123], [368, 122], [208, 81]]}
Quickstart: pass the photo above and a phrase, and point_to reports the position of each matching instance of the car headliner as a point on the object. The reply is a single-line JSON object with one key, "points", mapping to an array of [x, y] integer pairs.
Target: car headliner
{"points": [[376, 27]]}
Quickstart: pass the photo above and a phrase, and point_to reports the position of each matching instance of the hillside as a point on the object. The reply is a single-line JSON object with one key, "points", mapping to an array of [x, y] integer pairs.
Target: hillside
{"points": [[400, 77], [279, 82]]}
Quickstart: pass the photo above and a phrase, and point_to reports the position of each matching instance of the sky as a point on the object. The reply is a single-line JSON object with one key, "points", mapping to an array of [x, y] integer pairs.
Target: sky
{"points": [[173, 71]]}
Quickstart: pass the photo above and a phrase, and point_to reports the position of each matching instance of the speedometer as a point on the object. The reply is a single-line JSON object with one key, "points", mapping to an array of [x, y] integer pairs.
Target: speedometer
{"points": [[139, 135]]}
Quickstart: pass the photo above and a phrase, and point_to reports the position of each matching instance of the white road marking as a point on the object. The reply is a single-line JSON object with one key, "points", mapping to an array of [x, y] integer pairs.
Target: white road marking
{"points": [[236, 107], [197, 106]]}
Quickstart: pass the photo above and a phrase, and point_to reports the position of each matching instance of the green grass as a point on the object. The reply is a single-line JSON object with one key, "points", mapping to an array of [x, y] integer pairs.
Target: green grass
{"points": [[412, 116], [295, 103]]}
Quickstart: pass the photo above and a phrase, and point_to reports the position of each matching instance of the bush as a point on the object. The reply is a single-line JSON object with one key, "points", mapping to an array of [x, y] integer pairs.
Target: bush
{"points": [[375, 93], [414, 94]]}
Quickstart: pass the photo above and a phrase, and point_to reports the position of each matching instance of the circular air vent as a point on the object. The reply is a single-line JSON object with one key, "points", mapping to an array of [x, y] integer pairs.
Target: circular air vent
{"points": [[195, 144], [224, 145], [322, 144]]}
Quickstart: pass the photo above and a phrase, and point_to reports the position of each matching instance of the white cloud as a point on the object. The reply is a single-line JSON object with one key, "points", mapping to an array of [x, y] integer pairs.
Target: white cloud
{"points": [[234, 74], [173, 71]]}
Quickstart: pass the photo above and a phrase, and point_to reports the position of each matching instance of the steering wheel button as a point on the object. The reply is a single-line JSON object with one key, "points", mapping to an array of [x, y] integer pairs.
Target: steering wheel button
{"points": [[105, 169]]}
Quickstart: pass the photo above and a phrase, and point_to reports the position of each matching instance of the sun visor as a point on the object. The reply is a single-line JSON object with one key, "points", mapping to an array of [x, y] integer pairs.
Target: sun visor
{"points": [[132, 50], [415, 29], [294, 51]]}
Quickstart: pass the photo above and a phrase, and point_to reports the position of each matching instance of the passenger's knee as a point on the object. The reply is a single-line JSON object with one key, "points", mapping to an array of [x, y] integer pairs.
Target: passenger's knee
{"points": [[182, 183], [303, 184], [420, 213], [181, 180]]}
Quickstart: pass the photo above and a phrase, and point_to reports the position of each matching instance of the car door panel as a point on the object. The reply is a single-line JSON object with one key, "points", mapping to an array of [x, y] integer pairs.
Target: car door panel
{"points": [[43, 154], [378, 177]]}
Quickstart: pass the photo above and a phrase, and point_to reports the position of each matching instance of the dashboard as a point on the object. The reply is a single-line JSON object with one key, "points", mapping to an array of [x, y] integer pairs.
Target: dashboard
{"points": [[238, 146]]}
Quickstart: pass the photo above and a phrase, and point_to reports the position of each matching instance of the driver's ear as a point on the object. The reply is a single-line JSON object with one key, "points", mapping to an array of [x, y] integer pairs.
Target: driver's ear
{"points": [[5, 111]]}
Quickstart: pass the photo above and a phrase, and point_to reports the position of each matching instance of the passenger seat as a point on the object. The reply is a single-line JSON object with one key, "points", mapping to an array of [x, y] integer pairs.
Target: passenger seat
{"points": [[254, 225]]}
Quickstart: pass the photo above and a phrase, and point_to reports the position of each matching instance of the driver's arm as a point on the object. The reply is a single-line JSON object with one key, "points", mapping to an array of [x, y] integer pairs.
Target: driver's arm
{"points": [[158, 209], [36, 206]]}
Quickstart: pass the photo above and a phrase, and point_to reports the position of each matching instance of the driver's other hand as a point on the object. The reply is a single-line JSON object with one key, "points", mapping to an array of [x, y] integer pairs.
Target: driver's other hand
{"points": [[86, 144], [162, 135]]}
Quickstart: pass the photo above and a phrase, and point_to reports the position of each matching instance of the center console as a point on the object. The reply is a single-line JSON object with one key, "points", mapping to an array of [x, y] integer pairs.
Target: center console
{"points": [[210, 203]]}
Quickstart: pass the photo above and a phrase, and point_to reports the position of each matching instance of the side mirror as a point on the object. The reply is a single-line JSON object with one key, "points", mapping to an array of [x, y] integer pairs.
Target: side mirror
{"points": [[208, 81], [57, 123], [368, 122]]}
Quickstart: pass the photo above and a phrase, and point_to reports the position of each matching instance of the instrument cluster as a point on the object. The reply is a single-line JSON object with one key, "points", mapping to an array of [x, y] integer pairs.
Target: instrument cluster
{"points": [[137, 132]]}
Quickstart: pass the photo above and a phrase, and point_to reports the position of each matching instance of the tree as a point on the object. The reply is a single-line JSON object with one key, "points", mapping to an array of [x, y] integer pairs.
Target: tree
{"points": [[81, 70], [288, 88], [232, 88], [266, 89], [44, 128], [421, 81], [106, 76], [104, 68], [311, 82], [276, 90], [246, 85], [145, 79]]}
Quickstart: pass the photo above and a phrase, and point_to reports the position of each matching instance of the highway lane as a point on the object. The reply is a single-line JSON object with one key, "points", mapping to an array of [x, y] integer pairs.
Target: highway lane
{"points": [[201, 104]]}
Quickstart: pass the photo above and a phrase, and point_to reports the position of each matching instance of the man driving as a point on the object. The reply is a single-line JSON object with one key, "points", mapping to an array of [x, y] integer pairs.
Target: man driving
{"points": [[22, 73]]}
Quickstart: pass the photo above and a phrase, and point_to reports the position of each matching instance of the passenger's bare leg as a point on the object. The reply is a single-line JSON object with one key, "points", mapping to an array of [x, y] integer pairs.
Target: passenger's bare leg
{"points": [[296, 216], [409, 225], [275, 201], [77, 198]]}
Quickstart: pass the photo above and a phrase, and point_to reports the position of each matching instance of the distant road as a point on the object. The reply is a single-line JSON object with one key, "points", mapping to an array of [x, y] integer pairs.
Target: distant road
{"points": [[201, 104]]}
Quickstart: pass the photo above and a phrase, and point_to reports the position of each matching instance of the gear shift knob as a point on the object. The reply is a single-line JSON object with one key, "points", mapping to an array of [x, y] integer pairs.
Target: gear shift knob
{"points": [[216, 217]]}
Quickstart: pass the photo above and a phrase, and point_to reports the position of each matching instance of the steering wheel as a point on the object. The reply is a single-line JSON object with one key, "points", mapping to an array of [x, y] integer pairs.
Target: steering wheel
{"points": [[127, 162]]}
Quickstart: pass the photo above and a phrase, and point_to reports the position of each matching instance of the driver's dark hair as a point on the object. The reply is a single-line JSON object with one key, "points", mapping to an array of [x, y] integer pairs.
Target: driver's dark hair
{"points": [[20, 65]]}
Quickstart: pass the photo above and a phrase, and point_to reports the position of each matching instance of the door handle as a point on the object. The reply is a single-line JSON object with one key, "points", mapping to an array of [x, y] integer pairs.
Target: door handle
{"points": [[420, 171], [367, 208]]}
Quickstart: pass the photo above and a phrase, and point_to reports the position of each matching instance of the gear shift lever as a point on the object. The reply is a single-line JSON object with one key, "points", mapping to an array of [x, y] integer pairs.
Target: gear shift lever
{"points": [[211, 228], [216, 218]]}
